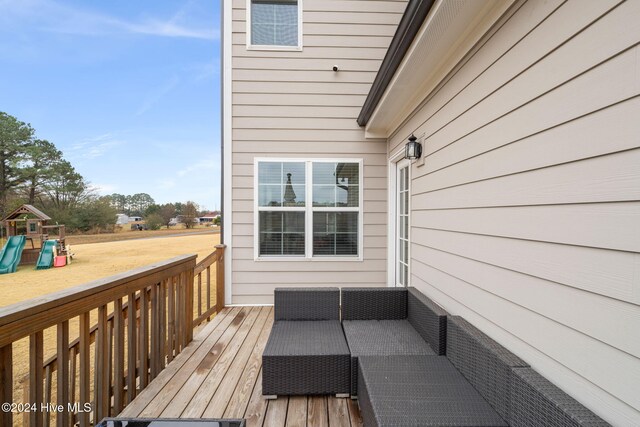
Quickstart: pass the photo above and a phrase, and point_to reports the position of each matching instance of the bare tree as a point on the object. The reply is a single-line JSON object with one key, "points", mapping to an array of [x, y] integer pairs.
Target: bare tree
{"points": [[189, 215]]}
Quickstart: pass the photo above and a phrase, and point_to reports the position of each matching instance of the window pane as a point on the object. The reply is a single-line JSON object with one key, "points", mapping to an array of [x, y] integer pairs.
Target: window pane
{"points": [[281, 184], [274, 22], [335, 233], [281, 233], [336, 184]]}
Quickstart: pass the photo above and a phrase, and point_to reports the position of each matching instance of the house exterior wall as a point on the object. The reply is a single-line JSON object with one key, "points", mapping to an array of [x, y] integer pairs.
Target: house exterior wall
{"points": [[291, 104], [525, 205]]}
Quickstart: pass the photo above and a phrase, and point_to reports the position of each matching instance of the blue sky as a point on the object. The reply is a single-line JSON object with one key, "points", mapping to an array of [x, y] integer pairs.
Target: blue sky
{"points": [[128, 90]]}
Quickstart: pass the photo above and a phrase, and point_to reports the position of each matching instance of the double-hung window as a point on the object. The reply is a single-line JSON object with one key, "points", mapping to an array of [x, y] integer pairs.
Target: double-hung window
{"points": [[308, 209], [274, 24]]}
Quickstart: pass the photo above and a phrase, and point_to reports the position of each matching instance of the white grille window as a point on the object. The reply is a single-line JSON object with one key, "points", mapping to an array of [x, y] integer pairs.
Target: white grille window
{"points": [[275, 23], [309, 209]]}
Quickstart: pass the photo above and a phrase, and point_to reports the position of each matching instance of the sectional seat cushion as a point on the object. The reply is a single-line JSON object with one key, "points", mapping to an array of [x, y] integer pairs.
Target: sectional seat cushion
{"points": [[419, 391], [383, 338], [306, 357]]}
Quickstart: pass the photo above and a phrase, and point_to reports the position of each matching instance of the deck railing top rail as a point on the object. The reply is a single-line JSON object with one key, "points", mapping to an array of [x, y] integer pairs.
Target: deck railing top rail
{"points": [[24, 318]]}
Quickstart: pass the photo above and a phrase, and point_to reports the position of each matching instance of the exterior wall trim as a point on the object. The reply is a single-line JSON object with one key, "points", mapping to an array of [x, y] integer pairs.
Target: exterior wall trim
{"points": [[226, 144]]}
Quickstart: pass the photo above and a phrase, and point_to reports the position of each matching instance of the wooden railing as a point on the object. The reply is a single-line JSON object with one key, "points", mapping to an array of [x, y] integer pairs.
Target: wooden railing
{"points": [[130, 347]]}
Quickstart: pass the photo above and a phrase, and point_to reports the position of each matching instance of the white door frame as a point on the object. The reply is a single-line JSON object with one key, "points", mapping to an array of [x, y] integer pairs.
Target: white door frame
{"points": [[394, 160]]}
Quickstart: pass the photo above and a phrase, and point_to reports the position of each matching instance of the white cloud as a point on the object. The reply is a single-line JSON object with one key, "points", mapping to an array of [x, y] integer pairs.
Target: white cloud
{"points": [[94, 147], [210, 163], [104, 189], [58, 18]]}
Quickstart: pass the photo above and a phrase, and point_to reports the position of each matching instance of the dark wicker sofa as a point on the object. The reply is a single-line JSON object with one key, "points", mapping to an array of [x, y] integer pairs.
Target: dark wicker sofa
{"points": [[478, 383], [408, 361], [389, 322]]}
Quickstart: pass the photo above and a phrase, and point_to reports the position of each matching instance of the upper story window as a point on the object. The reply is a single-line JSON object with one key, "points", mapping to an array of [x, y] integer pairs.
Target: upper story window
{"points": [[308, 209], [274, 24]]}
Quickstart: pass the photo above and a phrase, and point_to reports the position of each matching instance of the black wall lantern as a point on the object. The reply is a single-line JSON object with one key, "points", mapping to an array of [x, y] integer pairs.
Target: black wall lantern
{"points": [[413, 149]]}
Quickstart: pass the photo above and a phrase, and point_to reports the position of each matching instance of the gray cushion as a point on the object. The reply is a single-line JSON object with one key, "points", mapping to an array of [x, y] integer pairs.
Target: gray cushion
{"points": [[419, 391], [383, 337], [320, 337]]}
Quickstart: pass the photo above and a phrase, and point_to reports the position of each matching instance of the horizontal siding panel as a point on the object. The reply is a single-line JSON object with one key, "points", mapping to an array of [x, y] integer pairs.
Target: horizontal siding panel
{"points": [[276, 99], [297, 149], [590, 92], [311, 135], [611, 321], [324, 76], [338, 276], [262, 293], [300, 123], [567, 62], [244, 262], [600, 225], [328, 112], [378, 18], [279, 87], [614, 274], [314, 52], [578, 139], [333, 29], [562, 344], [354, 6], [379, 41], [610, 178], [306, 64]]}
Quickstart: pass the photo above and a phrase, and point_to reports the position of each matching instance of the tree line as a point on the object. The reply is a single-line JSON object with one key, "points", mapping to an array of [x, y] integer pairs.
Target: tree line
{"points": [[156, 216], [34, 171]]}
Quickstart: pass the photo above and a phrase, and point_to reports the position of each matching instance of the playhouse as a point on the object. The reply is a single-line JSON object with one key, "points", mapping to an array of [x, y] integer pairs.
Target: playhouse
{"points": [[27, 232]]}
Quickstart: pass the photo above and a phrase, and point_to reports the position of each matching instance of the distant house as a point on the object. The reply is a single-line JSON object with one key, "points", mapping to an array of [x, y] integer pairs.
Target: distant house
{"points": [[122, 219], [520, 213]]}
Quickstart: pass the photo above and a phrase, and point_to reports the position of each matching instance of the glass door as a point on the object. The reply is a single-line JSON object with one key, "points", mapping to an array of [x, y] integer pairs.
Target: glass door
{"points": [[402, 223]]}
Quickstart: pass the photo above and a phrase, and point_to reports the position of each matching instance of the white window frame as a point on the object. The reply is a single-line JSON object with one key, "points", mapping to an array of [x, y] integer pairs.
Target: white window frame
{"points": [[309, 209], [251, 46]]}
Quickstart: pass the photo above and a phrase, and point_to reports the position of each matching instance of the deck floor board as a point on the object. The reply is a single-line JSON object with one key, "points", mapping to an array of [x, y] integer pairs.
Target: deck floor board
{"points": [[220, 375]]}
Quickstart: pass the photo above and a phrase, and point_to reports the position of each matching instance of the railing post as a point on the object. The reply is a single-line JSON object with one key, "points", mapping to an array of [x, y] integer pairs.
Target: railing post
{"points": [[189, 304], [220, 278], [6, 382]]}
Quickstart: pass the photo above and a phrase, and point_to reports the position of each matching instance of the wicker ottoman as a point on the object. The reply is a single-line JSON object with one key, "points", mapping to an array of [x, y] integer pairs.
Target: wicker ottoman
{"points": [[307, 352], [419, 391], [306, 357]]}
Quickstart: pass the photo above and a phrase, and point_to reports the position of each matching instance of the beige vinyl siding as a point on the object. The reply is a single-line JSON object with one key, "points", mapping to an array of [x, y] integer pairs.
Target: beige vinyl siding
{"points": [[293, 105], [526, 204]]}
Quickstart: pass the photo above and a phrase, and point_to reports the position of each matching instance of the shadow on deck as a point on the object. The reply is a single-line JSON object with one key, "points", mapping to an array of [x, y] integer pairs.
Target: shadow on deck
{"points": [[218, 375]]}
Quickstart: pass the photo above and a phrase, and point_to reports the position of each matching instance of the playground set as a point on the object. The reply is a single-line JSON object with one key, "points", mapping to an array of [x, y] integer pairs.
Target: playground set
{"points": [[29, 224]]}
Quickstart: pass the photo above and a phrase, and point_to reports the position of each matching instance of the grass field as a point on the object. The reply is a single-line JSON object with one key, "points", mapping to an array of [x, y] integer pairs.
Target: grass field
{"points": [[91, 261]]}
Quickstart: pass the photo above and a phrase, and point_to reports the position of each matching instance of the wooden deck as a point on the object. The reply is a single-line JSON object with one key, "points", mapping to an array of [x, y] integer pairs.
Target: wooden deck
{"points": [[219, 375]]}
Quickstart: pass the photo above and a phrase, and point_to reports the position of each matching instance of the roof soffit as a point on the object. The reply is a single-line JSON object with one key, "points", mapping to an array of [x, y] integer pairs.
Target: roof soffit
{"points": [[449, 32]]}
